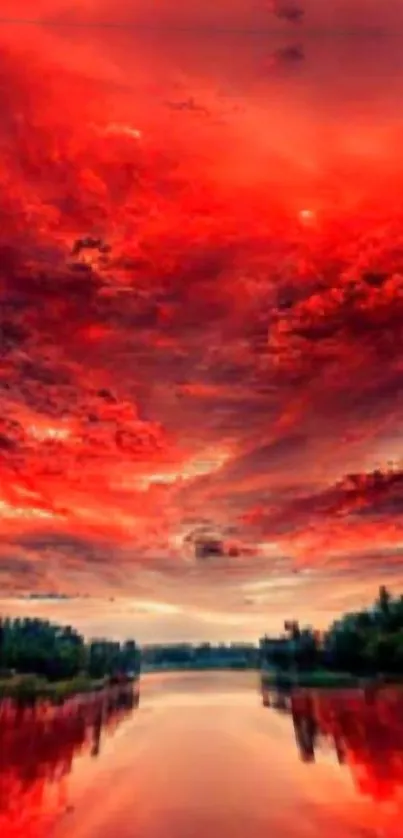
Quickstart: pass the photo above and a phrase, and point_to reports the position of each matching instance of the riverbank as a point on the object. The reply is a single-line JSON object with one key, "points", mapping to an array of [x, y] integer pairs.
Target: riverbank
{"points": [[197, 667], [324, 678], [31, 688]]}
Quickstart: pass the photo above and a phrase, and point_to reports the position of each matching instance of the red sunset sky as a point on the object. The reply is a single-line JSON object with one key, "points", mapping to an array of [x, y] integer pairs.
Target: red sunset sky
{"points": [[201, 274]]}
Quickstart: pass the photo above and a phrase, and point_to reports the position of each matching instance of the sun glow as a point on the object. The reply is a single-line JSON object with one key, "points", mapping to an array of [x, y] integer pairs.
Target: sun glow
{"points": [[307, 216]]}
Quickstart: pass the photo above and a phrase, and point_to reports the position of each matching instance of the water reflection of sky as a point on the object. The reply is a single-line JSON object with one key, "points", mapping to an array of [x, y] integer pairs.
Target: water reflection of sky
{"points": [[39, 748], [203, 752], [362, 732]]}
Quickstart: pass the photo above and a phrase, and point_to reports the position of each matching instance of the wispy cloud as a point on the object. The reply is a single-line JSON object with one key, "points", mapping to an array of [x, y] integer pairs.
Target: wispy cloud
{"points": [[201, 318]]}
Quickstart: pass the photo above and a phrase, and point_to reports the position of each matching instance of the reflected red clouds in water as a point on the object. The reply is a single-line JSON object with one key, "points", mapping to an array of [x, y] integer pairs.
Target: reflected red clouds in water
{"points": [[38, 747], [364, 731]]}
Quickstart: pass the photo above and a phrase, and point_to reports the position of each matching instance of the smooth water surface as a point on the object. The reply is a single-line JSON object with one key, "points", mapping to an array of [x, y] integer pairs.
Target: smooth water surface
{"points": [[207, 754]]}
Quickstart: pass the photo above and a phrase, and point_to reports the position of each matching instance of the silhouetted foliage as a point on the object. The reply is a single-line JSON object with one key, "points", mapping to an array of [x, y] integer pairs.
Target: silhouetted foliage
{"points": [[368, 641], [364, 643], [200, 656], [57, 653]]}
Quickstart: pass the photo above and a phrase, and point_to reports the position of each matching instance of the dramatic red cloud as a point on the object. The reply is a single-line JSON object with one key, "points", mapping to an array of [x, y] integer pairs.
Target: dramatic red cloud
{"points": [[201, 274]]}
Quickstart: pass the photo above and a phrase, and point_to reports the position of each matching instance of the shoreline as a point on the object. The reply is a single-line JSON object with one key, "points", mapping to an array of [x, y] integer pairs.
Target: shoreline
{"points": [[326, 679], [29, 689]]}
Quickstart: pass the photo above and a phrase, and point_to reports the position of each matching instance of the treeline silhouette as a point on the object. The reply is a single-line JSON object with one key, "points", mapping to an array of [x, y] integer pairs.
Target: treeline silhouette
{"points": [[364, 643], [58, 653], [200, 656]]}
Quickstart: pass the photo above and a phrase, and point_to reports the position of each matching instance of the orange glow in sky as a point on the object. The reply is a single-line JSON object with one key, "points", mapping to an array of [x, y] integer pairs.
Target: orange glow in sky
{"points": [[202, 301]]}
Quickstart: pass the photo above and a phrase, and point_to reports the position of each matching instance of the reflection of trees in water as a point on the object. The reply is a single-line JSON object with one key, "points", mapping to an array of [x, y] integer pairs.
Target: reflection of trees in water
{"points": [[364, 728], [37, 748]]}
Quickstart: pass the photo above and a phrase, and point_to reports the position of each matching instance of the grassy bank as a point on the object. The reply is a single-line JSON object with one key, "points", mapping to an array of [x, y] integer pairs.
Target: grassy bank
{"points": [[197, 667], [322, 678], [30, 688]]}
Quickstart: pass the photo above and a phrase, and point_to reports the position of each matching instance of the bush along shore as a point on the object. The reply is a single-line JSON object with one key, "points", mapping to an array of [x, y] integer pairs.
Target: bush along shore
{"points": [[40, 660], [325, 679], [360, 648]]}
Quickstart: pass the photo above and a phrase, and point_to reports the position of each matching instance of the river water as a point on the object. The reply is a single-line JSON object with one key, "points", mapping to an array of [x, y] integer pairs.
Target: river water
{"points": [[206, 755]]}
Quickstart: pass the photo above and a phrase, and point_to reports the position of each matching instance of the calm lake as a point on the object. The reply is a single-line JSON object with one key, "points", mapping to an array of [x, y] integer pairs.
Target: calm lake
{"points": [[205, 754]]}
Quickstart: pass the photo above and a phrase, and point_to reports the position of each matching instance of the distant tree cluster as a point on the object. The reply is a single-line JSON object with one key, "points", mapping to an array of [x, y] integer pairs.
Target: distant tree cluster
{"points": [[361, 642], [201, 656], [60, 652]]}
